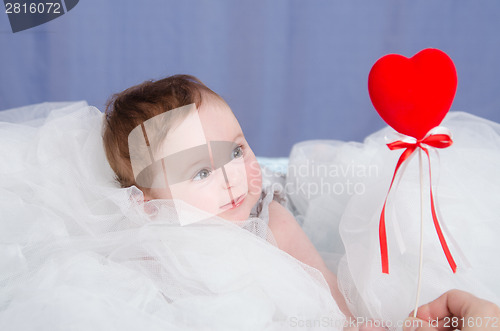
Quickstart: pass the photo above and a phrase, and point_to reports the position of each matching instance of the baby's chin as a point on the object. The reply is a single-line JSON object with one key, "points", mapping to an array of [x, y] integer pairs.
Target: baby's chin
{"points": [[237, 214]]}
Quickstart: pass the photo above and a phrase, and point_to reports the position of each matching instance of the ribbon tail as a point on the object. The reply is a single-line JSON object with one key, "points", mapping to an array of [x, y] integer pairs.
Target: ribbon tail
{"points": [[442, 240], [383, 242], [384, 255], [439, 232]]}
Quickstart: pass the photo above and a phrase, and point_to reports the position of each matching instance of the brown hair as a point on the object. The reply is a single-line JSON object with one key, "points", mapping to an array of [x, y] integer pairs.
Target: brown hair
{"points": [[128, 109]]}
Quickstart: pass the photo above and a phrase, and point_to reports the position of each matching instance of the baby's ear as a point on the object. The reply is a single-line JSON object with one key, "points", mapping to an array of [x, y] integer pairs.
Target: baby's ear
{"points": [[141, 195]]}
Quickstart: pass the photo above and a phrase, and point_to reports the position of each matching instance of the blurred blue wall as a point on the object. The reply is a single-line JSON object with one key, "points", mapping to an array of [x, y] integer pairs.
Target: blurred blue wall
{"points": [[290, 69]]}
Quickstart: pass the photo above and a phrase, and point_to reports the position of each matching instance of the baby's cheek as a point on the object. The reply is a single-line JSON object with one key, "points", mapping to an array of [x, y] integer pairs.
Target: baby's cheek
{"points": [[206, 198], [254, 177]]}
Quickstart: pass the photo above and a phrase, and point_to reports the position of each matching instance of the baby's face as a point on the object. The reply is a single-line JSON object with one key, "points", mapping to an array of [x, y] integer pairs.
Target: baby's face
{"points": [[210, 165]]}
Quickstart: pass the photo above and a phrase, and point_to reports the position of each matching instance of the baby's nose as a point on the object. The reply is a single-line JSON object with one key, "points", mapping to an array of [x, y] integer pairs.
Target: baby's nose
{"points": [[234, 174]]}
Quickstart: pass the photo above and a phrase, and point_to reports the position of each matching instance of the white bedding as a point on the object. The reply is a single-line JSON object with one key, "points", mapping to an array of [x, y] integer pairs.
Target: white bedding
{"points": [[78, 251]]}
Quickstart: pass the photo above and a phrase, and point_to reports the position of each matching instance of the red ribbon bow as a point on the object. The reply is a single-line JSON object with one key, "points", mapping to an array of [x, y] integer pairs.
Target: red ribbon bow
{"points": [[433, 140]]}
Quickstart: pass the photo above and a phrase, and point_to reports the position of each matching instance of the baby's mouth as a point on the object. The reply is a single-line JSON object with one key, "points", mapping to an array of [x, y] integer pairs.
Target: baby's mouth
{"points": [[234, 203]]}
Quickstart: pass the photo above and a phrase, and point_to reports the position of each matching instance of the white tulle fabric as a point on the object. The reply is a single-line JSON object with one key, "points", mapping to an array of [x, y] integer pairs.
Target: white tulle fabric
{"points": [[466, 181], [79, 253]]}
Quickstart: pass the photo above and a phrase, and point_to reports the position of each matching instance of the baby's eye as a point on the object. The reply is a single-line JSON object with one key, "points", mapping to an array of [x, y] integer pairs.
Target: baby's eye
{"points": [[237, 152], [202, 174]]}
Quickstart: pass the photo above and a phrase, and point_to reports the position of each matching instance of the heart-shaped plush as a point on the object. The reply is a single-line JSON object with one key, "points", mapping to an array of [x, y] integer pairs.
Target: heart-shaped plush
{"points": [[413, 94]]}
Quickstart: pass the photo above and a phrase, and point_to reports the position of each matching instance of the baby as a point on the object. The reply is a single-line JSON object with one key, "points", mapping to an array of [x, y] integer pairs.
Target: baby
{"points": [[176, 139]]}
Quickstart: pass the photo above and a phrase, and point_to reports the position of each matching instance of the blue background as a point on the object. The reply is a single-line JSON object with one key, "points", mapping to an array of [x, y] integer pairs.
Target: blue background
{"points": [[290, 69]]}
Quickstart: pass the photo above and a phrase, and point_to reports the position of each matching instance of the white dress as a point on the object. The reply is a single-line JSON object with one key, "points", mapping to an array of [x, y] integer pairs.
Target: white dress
{"points": [[79, 253]]}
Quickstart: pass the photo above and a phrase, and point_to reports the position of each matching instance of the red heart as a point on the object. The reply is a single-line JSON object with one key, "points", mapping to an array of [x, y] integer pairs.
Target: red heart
{"points": [[413, 94]]}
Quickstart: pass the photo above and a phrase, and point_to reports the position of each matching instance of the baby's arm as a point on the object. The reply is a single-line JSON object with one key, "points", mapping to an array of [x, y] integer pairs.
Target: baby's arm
{"points": [[291, 238]]}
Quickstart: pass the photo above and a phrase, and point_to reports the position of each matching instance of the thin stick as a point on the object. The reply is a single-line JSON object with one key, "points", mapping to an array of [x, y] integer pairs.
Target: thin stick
{"points": [[421, 230]]}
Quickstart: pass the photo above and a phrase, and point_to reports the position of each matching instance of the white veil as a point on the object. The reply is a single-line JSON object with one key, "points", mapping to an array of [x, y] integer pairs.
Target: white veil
{"points": [[353, 180], [78, 252]]}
